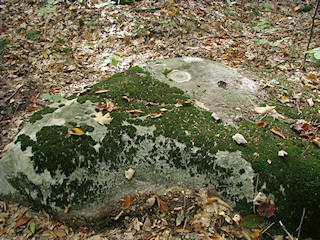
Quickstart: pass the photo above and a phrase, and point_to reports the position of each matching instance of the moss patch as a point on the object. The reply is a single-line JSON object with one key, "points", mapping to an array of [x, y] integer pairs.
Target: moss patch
{"points": [[39, 115]]}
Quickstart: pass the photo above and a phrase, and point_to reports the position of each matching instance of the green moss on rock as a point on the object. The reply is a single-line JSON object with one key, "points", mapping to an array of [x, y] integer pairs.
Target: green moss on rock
{"points": [[39, 115]]}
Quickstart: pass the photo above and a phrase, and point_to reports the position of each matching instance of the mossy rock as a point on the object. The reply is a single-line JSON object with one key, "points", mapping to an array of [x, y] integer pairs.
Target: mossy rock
{"points": [[165, 143]]}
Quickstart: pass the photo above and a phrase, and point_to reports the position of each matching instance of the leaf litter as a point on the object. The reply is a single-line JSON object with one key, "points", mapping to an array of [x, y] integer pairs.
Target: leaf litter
{"points": [[49, 52]]}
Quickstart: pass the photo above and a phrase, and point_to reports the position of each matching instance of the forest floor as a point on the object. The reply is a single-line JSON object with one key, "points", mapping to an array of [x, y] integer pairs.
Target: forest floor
{"points": [[54, 49]]}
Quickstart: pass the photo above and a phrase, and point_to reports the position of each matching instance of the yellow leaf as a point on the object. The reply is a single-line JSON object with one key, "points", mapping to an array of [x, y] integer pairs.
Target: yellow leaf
{"points": [[77, 131], [284, 99], [45, 54]]}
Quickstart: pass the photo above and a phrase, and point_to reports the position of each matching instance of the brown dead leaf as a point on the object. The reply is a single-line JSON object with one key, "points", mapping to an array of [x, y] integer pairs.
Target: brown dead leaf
{"points": [[66, 210], [127, 202], [30, 109], [163, 207], [316, 141], [211, 200], [267, 209], [135, 112], [262, 124], [127, 98], [22, 221], [276, 132], [284, 99], [102, 91], [184, 103], [77, 131], [60, 233], [2, 232]]}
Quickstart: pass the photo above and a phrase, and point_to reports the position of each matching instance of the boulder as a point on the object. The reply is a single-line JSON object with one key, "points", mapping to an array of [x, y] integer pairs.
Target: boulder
{"points": [[167, 122]]}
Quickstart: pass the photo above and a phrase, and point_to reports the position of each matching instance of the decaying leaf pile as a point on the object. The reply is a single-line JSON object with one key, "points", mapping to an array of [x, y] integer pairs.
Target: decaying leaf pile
{"points": [[178, 212], [52, 49]]}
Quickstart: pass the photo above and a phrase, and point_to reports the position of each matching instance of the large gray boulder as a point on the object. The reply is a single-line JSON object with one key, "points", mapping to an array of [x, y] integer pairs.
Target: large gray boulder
{"points": [[150, 127]]}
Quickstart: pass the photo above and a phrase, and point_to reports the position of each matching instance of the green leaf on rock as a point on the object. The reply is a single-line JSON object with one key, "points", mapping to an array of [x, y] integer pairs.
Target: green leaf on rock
{"points": [[251, 221], [45, 96], [56, 98]]}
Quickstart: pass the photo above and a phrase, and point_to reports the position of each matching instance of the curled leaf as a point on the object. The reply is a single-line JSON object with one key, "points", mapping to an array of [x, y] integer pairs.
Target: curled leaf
{"points": [[163, 207], [274, 131], [127, 202], [184, 102], [77, 131], [102, 91], [238, 138], [262, 124], [67, 209], [135, 112]]}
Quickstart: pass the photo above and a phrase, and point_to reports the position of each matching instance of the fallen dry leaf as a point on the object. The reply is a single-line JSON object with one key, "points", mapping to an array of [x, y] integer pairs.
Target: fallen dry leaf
{"points": [[238, 138], [262, 124], [77, 131], [184, 103], [277, 133], [264, 110], [135, 112], [211, 200], [163, 207], [129, 173], [103, 119], [128, 99], [284, 99], [310, 102], [22, 221], [67, 209], [316, 141], [30, 109], [282, 153], [267, 209], [127, 202], [102, 91]]}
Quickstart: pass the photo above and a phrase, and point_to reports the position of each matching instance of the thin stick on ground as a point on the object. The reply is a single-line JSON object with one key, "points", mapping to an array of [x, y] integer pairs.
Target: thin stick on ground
{"points": [[284, 228], [301, 221], [311, 33]]}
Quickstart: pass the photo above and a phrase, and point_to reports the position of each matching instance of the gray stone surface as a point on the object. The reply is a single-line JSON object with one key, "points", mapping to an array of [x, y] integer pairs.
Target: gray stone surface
{"points": [[219, 88]]}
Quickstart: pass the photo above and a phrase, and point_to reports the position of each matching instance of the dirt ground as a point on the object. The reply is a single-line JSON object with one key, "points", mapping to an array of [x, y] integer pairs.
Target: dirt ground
{"points": [[63, 47]]}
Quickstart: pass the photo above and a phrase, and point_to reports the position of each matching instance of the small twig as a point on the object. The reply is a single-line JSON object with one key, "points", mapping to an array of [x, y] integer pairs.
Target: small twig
{"points": [[301, 221], [311, 33], [267, 228], [15, 92], [284, 228], [255, 193]]}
